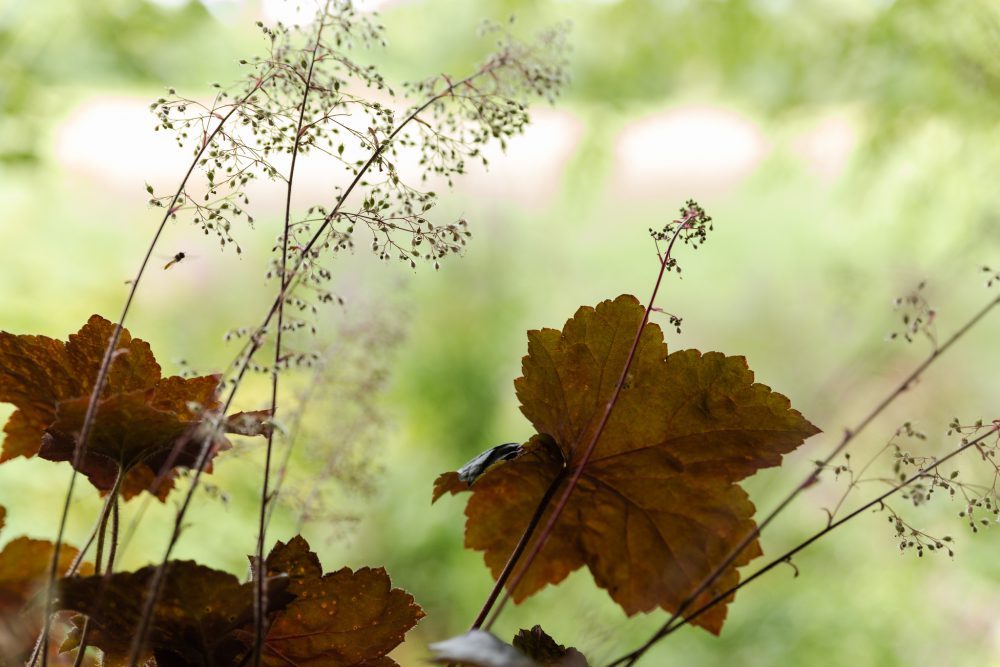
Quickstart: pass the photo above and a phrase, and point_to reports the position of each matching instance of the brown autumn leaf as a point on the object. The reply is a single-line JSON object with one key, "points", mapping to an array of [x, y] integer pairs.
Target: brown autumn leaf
{"points": [[24, 568], [544, 650], [141, 419], [341, 619], [198, 619], [658, 505]]}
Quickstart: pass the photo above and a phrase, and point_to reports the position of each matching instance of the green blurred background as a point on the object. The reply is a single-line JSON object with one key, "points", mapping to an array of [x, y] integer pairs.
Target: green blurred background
{"points": [[846, 149]]}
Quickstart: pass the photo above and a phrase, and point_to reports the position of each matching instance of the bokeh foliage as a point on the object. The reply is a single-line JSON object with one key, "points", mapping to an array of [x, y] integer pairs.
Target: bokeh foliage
{"points": [[799, 278]]}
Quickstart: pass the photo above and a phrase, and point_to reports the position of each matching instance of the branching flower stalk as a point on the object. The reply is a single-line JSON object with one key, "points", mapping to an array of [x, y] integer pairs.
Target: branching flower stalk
{"points": [[484, 100], [208, 140], [692, 227], [631, 658], [352, 371]]}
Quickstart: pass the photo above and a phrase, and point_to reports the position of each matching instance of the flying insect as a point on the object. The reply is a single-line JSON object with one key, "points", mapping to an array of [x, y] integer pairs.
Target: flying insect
{"points": [[176, 258]]}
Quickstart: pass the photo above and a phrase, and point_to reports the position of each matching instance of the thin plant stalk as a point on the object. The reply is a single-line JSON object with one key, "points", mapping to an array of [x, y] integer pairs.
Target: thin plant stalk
{"points": [[156, 583], [515, 555], [109, 570], [260, 590], [109, 515], [292, 438]]}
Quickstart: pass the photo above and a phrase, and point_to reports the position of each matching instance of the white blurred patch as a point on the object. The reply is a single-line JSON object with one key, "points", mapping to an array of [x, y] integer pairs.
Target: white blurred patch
{"points": [[530, 172], [827, 147], [301, 12], [111, 140], [689, 151]]}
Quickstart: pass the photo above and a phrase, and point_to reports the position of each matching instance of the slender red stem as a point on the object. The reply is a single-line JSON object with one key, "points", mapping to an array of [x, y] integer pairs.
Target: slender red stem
{"points": [[518, 549], [156, 583]]}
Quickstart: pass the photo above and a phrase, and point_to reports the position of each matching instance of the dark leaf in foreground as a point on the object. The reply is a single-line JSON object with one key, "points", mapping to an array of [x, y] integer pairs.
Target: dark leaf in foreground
{"points": [[544, 650], [24, 568], [198, 620]]}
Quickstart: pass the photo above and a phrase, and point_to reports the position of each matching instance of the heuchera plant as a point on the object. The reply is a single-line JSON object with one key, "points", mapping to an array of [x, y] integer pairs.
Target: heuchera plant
{"points": [[633, 472]]}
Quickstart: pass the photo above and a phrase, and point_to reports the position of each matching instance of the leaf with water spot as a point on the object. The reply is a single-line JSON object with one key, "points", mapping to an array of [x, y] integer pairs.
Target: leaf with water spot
{"points": [[347, 618]]}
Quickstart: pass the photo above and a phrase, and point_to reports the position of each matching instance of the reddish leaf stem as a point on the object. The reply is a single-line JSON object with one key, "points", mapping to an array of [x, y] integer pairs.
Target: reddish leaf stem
{"points": [[632, 657], [813, 476], [518, 549], [588, 452], [111, 502]]}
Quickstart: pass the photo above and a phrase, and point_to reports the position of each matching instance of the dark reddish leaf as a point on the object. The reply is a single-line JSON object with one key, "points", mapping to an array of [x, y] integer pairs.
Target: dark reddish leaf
{"points": [[448, 482], [144, 422], [544, 650], [341, 619], [137, 432], [24, 568], [657, 506], [198, 619]]}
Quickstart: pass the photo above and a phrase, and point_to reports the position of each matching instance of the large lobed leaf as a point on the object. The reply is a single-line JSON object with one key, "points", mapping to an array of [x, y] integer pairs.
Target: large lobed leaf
{"points": [[339, 619], [143, 421], [24, 567], [658, 506]]}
